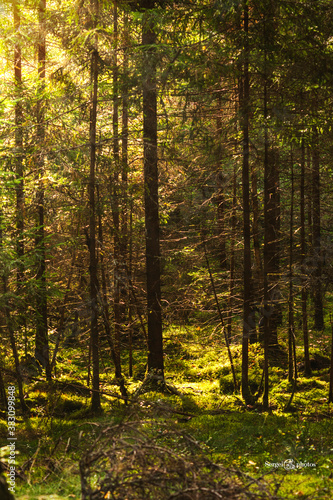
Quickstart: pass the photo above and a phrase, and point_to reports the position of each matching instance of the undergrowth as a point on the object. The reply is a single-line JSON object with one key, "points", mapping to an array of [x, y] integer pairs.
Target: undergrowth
{"points": [[291, 450]]}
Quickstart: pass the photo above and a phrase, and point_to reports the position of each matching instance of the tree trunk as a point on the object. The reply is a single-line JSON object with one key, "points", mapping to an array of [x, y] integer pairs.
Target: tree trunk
{"points": [[232, 256], [63, 308], [11, 331], [269, 213], [247, 288], [3, 395], [19, 149], [308, 187], [42, 346], [153, 272], [220, 191], [271, 192], [304, 294], [220, 220], [277, 248], [317, 255], [291, 291], [94, 333], [271, 236], [124, 156], [105, 308], [8, 316], [104, 298], [330, 394], [5, 494], [124, 241], [117, 274], [255, 229]]}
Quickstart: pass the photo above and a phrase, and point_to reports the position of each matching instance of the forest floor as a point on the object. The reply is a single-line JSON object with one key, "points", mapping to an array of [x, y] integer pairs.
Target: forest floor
{"points": [[289, 452]]}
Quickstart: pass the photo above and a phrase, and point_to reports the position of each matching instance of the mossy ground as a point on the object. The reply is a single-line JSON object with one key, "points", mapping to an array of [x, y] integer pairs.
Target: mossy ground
{"points": [[60, 426]]}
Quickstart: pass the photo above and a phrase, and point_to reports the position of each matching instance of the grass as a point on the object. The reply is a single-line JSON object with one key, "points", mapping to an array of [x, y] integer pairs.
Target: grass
{"points": [[60, 427]]}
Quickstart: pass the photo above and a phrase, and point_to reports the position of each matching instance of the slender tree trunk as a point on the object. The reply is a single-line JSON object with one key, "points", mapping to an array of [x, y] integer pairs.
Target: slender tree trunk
{"points": [[118, 316], [267, 232], [5, 494], [255, 225], [20, 208], [7, 312], [317, 253], [11, 331], [42, 346], [220, 191], [271, 195], [258, 269], [232, 255], [304, 294], [271, 235], [129, 276], [220, 220], [308, 187], [291, 328], [277, 247], [330, 394], [155, 338], [124, 242], [221, 318], [19, 148], [266, 267], [94, 333], [63, 309], [3, 395], [247, 288], [124, 156], [105, 308]]}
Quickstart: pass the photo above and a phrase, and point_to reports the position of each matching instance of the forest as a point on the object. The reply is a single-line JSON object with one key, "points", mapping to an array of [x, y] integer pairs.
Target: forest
{"points": [[166, 249]]}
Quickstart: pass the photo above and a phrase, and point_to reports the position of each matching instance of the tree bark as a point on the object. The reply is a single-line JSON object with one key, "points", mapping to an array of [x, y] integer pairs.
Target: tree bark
{"points": [[247, 288], [5, 494], [8, 316], [118, 268], [291, 326], [330, 394], [317, 253], [255, 226], [124, 242], [220, 191], [304, 294], [105, 308], [308, 188], [232, 256], [271, 234], [19, 147], [11, 331], [42, 345], [124, 155], [271, 196], [94, 333], [152, 236], [3, 395]]}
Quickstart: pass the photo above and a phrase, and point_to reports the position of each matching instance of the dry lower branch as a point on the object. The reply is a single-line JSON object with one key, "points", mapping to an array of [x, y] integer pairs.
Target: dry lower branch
{"points": [[144, 460]]}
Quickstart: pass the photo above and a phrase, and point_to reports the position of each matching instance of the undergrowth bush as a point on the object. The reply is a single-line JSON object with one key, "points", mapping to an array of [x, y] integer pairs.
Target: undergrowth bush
{"points": [[138, 460]]}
